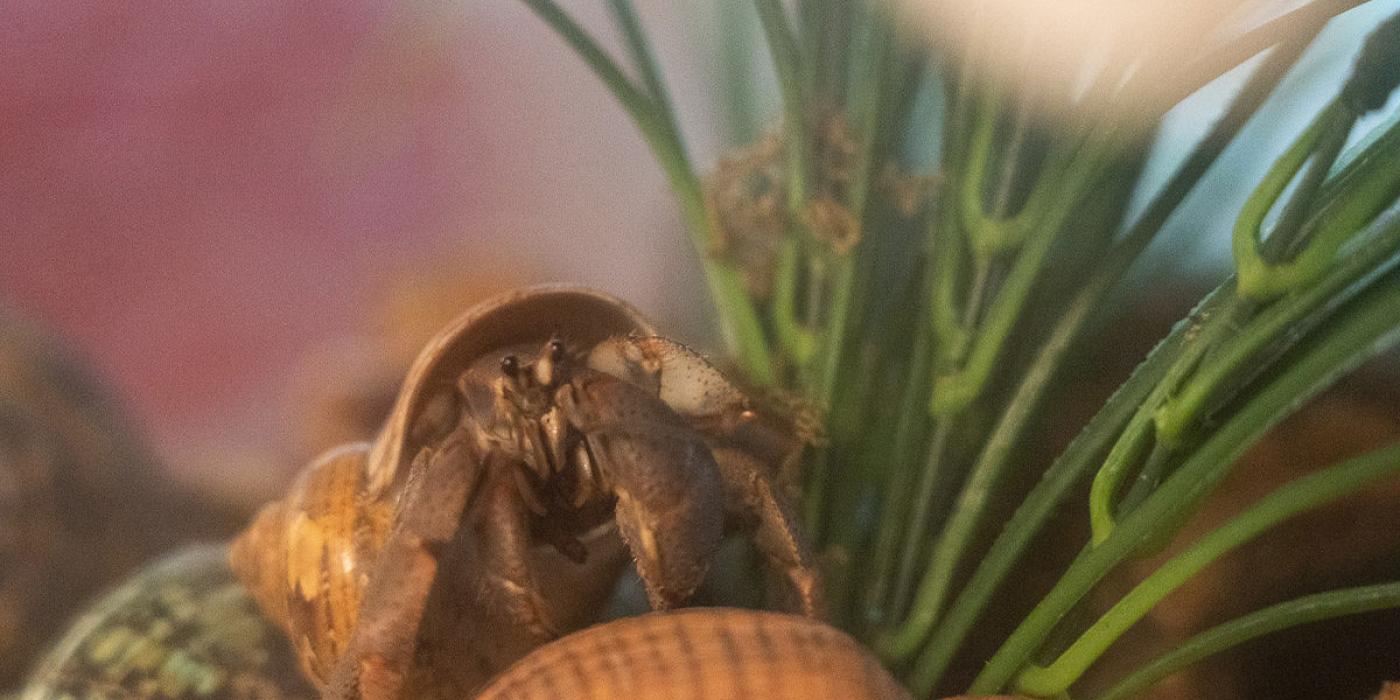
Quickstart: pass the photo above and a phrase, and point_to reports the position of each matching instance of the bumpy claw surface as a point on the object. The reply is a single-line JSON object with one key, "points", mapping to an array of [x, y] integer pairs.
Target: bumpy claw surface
{"points": [[757, 500], [755, 451], [679, 376], [669, 498]]}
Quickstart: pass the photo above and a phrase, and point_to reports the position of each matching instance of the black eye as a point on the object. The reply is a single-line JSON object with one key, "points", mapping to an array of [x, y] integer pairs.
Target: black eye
{"points": [[510, 366], [556, 349]]}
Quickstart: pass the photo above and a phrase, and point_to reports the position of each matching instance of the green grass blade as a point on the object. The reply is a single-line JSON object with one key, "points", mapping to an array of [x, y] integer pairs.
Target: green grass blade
{"points": [[1294, 498], [1313, 608]]}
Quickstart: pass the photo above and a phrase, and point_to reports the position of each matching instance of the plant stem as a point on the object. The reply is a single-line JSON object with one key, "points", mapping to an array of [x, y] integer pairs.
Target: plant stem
{"points": [[1301, 611], [1261, 278], [1289, 229], [1054, 484], [1270, 332], [788, 62], [1363, 329], [1214, 327], [834, 336], [990, 468], [905, 642], [626, 16], [932, 474], [1297, 497], [1129, 448], [1062, 475], [954, 392], [739, 323], [642, 110], [740, 118], [1148, 478], [844, 279], [985, 474], [799, 342], [1260, 84], [1372, 184], [949, 333], [893, 517], [826, 29], [936, 459]]}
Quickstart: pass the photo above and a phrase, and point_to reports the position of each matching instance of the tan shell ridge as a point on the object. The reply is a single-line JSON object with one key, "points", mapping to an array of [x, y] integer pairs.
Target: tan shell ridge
{"points": [[695, 653], [579, 315]]}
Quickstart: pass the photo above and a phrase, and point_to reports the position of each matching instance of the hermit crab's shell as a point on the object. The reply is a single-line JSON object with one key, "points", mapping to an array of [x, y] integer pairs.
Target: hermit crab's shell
{"points": [[307, 557], [581, 317]]}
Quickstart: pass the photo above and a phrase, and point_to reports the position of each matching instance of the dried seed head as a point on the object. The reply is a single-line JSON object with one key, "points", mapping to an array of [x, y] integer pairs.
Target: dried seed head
{"points": [[745, 195], [831, 223]]}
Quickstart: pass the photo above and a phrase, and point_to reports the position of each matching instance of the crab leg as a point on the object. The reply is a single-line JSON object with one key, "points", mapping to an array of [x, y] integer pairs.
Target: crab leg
{"points": [[755, 499], [380, 651], [502, 533]]}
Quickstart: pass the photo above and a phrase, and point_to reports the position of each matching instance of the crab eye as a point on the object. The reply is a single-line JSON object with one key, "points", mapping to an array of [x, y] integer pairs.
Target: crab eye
{"points": [[510, 366], [556, 349]]}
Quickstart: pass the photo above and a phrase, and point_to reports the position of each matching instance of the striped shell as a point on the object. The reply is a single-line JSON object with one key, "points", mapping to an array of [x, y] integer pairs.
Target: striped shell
{"points": [[700, 654], [307, 557]]}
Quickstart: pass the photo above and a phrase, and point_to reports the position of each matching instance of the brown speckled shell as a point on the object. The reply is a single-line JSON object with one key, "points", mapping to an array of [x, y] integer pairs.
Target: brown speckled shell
{"points": [[306, 558], [700, 653]]}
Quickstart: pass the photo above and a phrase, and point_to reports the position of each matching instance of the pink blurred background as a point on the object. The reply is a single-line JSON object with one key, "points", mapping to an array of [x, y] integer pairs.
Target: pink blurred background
{"points": [[200, 195], [204, 198]]}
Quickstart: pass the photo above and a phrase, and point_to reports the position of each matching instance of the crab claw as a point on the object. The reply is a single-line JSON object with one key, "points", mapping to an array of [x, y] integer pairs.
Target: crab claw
{"points": [[670, 500], [696, 390], [679, 376], [672, 517]]}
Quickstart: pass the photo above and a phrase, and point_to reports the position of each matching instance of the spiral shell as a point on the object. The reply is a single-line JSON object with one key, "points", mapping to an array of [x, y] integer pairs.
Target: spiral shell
{"points": [[710, 653], [307, 557], [181, 628], [83, 502]]}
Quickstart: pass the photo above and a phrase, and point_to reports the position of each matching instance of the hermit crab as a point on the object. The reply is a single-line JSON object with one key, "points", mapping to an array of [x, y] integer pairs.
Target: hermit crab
{"points": [[531, 437]]}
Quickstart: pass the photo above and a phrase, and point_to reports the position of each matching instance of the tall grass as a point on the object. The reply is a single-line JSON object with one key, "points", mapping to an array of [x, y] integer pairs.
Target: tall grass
{"points": [[925, 311]]}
